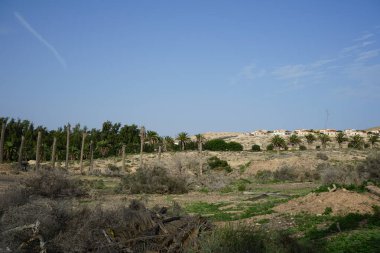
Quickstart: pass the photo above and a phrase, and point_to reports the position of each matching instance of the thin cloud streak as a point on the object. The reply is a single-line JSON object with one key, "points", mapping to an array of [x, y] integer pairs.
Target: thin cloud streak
{"points": [[52, 49], [368, 55]]}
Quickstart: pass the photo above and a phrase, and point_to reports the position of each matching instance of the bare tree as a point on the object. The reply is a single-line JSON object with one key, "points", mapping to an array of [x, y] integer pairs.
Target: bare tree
{"points": [[54, 147], [91, 155], [82, 151], [2, 141], [142, 138], [38, 155], [200, 140], [123, 157], [20, 151], [159, 152], [67, 146]]}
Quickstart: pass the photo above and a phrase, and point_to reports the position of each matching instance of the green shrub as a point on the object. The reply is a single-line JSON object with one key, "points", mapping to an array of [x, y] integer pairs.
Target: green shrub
{"points": [[303, 147], [215, 163], [270, 147], [98, 184], [226, 189], [328, 210], [238, 239], [241, 187], [234, 146], [221, 145], [256, 148], [215, 145]]}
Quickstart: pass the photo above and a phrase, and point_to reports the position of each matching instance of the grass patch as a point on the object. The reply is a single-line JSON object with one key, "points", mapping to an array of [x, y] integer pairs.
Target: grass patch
{"points": [[210, 209]]}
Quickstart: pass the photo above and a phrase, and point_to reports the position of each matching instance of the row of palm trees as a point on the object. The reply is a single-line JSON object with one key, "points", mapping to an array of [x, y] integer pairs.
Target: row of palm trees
{"points": [[355, 141], [168, 142]]}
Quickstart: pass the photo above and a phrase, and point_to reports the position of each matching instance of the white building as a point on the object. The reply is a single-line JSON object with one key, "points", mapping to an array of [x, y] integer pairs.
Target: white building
{"points": [[353, 132], [281, 132], [329, 132], [302, 132], [262, 132]]}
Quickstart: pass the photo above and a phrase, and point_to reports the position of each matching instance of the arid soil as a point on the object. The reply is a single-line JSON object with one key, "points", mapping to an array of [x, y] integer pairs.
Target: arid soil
{"points": [[341, 202]]}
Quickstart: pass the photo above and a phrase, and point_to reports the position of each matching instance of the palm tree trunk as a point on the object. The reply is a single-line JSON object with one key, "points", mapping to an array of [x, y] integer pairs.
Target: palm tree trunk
{"points": [[38, 157], [67, 146], [142, 137], [81, 153], [123, 158], [54, 148], [91, 156], [20, 151], [2, 141]]}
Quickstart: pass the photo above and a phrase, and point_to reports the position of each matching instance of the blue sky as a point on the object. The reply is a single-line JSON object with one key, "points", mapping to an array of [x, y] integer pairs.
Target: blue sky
{"points": [[192, 66]]}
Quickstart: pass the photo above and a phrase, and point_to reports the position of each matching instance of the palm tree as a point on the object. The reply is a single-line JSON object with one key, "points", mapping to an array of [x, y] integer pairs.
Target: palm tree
{"points": [[324, 138], [357, 141], [294, 140], [373, 138], [152, 137], [278, 142], [310, 138], [168, 143], [340, 138], [200, 141], [183, 138]]}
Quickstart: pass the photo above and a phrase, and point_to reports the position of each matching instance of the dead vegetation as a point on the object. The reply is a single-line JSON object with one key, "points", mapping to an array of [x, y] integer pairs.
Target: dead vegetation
{"points": [[153, 180], [57, 227]]}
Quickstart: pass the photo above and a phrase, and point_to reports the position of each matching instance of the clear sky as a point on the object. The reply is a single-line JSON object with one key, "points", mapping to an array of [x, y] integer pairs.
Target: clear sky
{"points": [[194, 66]]}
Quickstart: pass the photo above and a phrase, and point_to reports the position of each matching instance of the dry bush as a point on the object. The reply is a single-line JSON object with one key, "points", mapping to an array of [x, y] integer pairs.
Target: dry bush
{"points": [[369, 169], [13, 196], [322, 156], [339, 174], [54, 183], [51, 215], [285, 173], [113, 229], [85, 232], [154, 180], [264, 176]]}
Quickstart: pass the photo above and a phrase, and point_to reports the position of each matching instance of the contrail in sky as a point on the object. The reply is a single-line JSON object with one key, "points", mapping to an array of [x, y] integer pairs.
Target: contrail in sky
{"points": [[28, 27]]}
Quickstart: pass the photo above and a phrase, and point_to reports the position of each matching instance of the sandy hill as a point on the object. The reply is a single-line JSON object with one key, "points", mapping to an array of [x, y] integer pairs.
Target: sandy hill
{"points": [[373, 128]]}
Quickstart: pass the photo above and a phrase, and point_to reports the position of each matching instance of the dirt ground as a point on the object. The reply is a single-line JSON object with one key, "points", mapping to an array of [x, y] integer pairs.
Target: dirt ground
{"points": [[341, 202]]}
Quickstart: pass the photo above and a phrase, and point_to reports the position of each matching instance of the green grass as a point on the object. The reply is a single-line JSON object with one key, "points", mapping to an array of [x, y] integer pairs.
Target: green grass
{"points": [[359, 241], [210, 209], [241, 211]]}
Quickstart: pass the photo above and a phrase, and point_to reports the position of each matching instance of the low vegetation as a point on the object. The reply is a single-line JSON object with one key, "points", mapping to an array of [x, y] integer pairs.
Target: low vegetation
{"points": [[222, 145], [216, 163], [153, 180]]}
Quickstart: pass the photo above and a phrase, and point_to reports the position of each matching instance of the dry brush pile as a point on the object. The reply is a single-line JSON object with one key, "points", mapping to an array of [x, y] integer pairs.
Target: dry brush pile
{"points": [[33, 219]]}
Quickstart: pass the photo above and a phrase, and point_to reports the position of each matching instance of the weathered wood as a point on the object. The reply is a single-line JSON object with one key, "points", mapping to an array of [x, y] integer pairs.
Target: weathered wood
{"points": [[123, 158], [142, 138], [53, 152], [4, 125], [20, 151], [82, 151], [38, 151], [91, 155], [67, 146]]}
